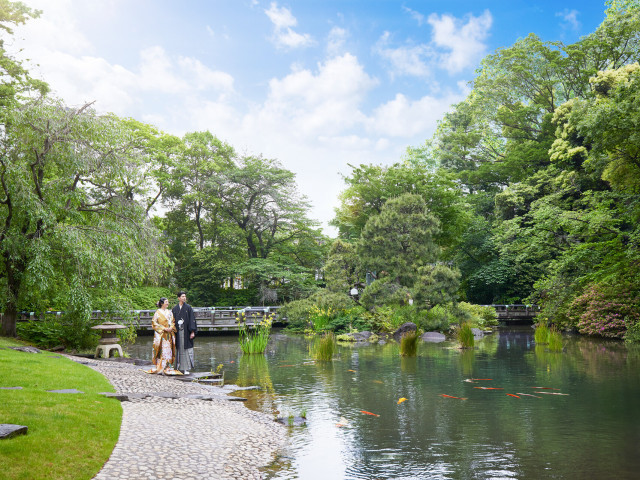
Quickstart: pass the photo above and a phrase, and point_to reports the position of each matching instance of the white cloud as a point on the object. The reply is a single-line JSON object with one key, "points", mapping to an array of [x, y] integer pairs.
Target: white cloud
{"points": [[417, 16], [406, 60], [335, 41], [284, 36], [464, 42], [570, 18]]}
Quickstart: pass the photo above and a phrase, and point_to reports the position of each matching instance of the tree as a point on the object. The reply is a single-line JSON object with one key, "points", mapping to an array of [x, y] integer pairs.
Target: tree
{"points": [[400, 239], [341, 271], [68, 218]]}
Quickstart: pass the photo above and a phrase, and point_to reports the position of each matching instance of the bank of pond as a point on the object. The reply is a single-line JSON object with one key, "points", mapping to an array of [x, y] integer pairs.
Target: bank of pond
{"points": [[506, 408]]}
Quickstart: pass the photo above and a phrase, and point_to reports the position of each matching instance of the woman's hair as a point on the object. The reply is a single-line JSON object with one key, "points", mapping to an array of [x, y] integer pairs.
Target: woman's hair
{"points": [[161, 302]]}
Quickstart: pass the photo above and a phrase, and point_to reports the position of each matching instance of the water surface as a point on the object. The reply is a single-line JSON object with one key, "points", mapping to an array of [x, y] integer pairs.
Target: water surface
{"points": [[591, 432]]}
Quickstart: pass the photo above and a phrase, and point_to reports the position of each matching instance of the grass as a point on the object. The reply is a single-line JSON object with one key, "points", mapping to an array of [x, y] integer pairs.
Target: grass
{"points": [[326, 347], [254, 340], [409, 344], [465, 336], [541, 335], [70, 436], [555, 340]]}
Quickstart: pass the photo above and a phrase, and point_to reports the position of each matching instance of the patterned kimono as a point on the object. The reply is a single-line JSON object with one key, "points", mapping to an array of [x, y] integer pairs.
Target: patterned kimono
{"points": [[164, 342]]}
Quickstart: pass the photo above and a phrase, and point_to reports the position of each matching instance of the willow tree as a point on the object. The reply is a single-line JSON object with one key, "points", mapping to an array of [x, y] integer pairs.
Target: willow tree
{"points": [[70, 213]]}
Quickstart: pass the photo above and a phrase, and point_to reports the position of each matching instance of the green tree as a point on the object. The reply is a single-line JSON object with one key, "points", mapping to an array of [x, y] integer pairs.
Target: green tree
{"points": [[68, 218], [341, 271]]}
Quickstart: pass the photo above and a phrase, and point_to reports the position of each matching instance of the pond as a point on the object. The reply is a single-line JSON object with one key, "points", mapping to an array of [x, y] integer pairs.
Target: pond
{"points": [[584, 423]]}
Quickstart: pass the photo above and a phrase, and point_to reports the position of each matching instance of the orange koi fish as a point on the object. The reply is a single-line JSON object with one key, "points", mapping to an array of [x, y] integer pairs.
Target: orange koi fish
{"points": [[528, 395], [343, 422], [450, 396], [351, 371], [476, 379], [286, 365], [378, 381], [402, 400], [369, 413], [512, 395], [489, 388]]}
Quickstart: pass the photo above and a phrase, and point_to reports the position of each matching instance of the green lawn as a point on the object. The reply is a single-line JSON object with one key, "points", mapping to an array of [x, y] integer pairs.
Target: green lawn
{"points": [[70, 435]]}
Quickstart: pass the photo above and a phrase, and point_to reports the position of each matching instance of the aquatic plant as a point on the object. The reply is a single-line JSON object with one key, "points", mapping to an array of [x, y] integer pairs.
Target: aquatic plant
{"points": [[325, 347], [465, 336], [409, 344], [254, 340], [555, 340], [541, 335], [303, 414]]}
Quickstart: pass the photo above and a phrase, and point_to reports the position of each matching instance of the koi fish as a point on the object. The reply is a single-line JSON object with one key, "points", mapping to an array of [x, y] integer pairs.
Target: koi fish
{"points": [[343, 422], [402, 400], [545, 388], [553, 393], [369, 413], [351, 371], [286, 365], [378, 381], [512, 395], [450, 396], [489, 388], [482, 379], [469, 380], [528, 395]]}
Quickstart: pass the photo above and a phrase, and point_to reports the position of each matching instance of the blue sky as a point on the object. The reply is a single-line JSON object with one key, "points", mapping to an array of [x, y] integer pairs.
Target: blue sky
{"points": [[317, 84]]}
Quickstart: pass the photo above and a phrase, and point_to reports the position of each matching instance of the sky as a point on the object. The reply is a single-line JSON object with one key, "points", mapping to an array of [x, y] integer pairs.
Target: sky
{"points": [[316, 84]]}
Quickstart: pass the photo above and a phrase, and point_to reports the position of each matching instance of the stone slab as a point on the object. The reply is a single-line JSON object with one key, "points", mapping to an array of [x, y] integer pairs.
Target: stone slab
{"points": [[65, 390], [10, 388], [8, 430], [26, 349], [433, 337]]}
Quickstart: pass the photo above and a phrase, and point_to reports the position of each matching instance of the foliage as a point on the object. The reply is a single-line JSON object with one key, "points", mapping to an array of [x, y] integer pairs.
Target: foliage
{"points": [[320, 317], [84, 427], [555, 340], [605, 311], [384, 291], [542, 333], [465, 336], [477, 315], [632, 334], [254, 339], [399, 239], [438, 318], [341, 270], [351, 319], [435, 285], [325, 347], [298, 312], [409, 344]]}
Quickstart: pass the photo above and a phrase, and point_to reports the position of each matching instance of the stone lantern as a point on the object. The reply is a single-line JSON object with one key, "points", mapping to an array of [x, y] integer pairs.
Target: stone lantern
{"points": [[109, 339]]}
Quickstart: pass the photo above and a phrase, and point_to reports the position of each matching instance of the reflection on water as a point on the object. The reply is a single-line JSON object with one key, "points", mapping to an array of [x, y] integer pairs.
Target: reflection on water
{"points": [[593, 432]]}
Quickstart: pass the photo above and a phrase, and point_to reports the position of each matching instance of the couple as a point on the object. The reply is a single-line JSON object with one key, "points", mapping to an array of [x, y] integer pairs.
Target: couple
{"points": [[173, 338]]}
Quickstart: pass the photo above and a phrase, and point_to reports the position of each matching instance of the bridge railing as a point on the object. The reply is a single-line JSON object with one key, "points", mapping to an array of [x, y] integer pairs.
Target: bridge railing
{"points": [[516, 311]]}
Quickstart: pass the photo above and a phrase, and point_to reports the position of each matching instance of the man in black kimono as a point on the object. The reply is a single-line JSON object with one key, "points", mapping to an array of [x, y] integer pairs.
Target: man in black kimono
{"points": [[186, 327]]}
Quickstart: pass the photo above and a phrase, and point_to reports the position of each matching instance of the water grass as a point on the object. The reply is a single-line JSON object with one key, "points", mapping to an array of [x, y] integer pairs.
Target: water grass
{"points": [[541, 335], [465, 336], [70, 436], [254, 340], [555, 340], [409, 344], [326, 347]]}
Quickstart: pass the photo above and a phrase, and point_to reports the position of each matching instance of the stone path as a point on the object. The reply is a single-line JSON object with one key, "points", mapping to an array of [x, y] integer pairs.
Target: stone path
{"points": [[186, 438]]}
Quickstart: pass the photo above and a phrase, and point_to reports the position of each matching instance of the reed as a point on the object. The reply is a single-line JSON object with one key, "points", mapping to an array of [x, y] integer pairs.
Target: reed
{"points": [[409, 344], [254, 340], [541, 335], [555, 340], [465, 336], [326, 347]]}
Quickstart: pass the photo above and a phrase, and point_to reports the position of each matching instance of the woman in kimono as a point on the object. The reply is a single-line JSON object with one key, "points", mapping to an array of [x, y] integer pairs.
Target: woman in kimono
{"points": [[164, 340]]}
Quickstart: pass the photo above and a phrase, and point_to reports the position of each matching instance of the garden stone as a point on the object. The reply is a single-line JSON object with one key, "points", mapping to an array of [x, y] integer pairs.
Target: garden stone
{"points": [[404, 328], [361, 336], [65, 390], [10, 388], [477, 332], [294, 422], [26, 349], [8, 430], [434, 337]]}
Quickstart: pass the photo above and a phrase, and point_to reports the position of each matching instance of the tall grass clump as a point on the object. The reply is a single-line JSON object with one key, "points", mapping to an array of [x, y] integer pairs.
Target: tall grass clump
{"points": [[465, 336], [254, 340], [409, 344], [326, 347], [542, 333], [555, 340]]}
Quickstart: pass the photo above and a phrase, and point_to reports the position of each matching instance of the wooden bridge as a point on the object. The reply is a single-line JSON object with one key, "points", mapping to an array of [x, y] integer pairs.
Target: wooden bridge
{"points": [[211, 319], [516, 313]]}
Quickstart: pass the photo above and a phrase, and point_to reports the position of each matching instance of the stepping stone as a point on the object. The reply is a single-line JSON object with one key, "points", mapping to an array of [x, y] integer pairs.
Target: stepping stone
{"points": [[8, 430], [235, 399], [26, 349], [10, 388], [164, 394], [65, 390], [123, 397], [434, 337]]}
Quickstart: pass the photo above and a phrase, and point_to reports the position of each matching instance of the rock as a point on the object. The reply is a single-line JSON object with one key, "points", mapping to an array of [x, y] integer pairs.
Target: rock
{"points": [[404, 328], [292, 421], [8, 430], [65, 390], [118, 396], [477, 332], [165, 395], [26, 349], [10, 388], [434, 337], [361, 336]]}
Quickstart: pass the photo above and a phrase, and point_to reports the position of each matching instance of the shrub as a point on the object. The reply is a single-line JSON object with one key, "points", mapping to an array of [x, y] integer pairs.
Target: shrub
{"points": [[409, 344], [555, 340], [478, 315], [437, 318], [633, 332], [325, 347], [299, 312], [605, 311], [384, 292], [349, 320], [465, 336]]}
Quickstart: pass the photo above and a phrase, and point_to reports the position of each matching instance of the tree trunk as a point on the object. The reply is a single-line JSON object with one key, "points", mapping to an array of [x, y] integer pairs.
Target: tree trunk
{"points": [[9, 321]]}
